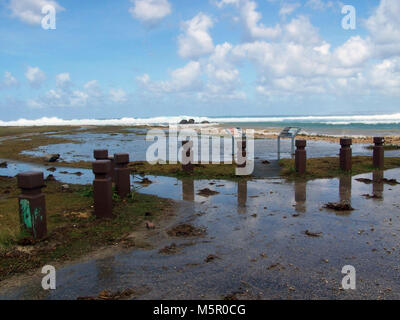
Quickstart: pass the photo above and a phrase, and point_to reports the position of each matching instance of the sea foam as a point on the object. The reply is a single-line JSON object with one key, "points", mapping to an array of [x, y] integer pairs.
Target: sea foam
{"points": [[329, 120]]}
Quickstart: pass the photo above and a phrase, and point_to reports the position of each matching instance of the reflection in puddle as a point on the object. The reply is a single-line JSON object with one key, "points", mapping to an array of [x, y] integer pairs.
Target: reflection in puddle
{"points": [[242, 196], [187, 189], [300, 196], [345, 189], [377, 186]]}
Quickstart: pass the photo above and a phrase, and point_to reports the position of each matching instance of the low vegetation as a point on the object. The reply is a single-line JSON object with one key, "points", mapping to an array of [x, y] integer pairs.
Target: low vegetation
{"points": [[386, 147], [73, 231], [200, 171], [328, 167]]}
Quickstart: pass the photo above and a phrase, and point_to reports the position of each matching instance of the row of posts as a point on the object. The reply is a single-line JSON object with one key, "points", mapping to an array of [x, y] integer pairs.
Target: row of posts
{"points": [[187, 155], [32, 206], [108, 170], [345, 156]]}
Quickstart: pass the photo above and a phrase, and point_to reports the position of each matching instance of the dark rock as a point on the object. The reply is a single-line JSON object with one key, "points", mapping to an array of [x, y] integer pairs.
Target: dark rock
{"points": [[3, 164], [183, 122], [339, 206], [191, 121], [313, 234], [145, 181], [205, 122], [52, 157], [207, 192], [50, 177], [185, 230], [210, 257], [52, 169]]}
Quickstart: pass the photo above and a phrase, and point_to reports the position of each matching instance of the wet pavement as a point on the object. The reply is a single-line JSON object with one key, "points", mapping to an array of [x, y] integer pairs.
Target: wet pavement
{"points": [[256, 232]]}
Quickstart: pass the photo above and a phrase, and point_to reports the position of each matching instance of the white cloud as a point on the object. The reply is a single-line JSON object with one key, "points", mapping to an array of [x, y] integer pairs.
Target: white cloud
{"points": [[300, 30], [288, 8], [118, 95], [150, 11], [30, 11], [223, 77], [319, 4], [290, 58], [185, 79], [196, 40], [63, 80], [254, 28], [385, 76], [93, 88], [35, 76], [353, 52], [222, 3], [8, 81], [384, 28], [68, 94]]}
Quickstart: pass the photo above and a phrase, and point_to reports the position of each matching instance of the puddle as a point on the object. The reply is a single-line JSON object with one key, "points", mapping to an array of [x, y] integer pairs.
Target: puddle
{"points": [[136, 146], [259, 231]]}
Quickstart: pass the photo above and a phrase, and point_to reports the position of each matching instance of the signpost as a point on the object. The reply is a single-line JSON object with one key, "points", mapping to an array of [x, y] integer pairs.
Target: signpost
{"points": [[288, 132]]}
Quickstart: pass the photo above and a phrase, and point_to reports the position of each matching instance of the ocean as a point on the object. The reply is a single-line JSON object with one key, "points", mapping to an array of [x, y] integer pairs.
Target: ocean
{"points": [[352, 125]]}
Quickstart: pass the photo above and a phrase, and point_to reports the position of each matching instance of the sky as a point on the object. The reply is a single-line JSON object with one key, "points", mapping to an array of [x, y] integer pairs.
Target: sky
{"points": [[146, 58]]}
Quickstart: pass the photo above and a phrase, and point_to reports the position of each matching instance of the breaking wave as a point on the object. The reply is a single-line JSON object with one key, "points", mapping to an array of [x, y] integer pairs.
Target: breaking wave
{"points": [[327, 120]]}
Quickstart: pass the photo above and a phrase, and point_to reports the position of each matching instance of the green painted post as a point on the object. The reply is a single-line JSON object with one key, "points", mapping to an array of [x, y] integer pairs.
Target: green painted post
{"points": [[32, 204]]}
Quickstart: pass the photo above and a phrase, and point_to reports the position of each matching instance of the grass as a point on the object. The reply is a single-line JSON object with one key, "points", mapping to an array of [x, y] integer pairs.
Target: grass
{"points": [[12, 148], [386, 147], [328, 167], [200, 171], [13, 131], [73, 231]]}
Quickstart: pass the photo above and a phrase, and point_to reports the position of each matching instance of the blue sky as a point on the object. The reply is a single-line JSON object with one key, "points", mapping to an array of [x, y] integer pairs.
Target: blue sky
{"points": [[144, 58]]}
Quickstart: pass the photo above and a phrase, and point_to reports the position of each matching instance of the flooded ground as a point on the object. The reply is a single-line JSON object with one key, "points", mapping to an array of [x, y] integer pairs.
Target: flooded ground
{"points": [[136, 145], [265, 239]]}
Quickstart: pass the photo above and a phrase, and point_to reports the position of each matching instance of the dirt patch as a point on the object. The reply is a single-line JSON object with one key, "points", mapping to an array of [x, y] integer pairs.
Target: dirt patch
{"points": [[373, 196], [207, 192], [339, 206], [276, 266], [313, 234], [117, 295], [145, 181], [169, 250], [185, 230], [210, 258], [391, 182], [364, 180]]}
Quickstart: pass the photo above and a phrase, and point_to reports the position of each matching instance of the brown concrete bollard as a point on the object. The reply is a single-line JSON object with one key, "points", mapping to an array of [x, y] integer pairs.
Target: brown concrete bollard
{"points": [[378, 158], [102, 189], [32, 204], [241, 153], [122, 174], [346, 154], [301, 156], [187, 156], [113, 174], [102, 154]]}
